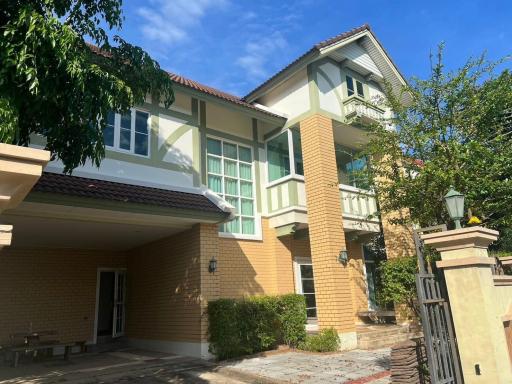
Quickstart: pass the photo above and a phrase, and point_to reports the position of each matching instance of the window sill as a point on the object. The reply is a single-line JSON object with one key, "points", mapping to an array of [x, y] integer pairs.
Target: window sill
{"points": [[126, 152], [240, 236], [284, 180]]}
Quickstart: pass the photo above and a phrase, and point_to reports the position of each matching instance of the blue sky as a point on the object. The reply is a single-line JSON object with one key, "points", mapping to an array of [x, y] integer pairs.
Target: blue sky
{"points": [[234, 45]]}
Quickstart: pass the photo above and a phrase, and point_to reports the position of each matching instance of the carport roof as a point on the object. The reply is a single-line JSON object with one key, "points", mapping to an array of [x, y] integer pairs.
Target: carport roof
{"points": [[121, 192]]}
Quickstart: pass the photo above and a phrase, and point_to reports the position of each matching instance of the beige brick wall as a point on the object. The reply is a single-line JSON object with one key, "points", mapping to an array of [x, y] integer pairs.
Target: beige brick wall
{"points": [[327, 238], [398, 238], [51, 289], [164, 285], [357, 278]]}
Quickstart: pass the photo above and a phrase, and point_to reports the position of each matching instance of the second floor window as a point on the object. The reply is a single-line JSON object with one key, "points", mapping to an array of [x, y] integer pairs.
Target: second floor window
{"points": [[352, 168], [280, 150], [128, 132], [354, 86], [230, 175]]}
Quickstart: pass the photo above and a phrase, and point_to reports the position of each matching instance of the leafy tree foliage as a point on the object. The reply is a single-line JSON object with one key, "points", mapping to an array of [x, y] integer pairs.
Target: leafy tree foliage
{"points": [[53, 83], [455, 129]]}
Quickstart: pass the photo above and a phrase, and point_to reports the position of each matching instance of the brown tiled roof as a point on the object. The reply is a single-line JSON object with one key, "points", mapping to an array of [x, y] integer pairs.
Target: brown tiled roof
{"points": [[314, 48], [183, 81], [120, 192]]}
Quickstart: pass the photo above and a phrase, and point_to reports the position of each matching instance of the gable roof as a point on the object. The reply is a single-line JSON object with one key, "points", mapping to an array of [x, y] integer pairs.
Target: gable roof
{"points": [[313, 53], [196, 86]]}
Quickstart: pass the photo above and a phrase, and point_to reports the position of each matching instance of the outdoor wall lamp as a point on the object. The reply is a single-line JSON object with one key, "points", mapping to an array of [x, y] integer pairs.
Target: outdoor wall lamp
{"points": [[455, 205], [343, 257], [212, 266]]}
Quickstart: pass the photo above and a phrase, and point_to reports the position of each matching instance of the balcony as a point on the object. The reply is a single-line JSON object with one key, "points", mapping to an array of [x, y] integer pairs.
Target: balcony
{"points": [[357, 109], [359, 209]]}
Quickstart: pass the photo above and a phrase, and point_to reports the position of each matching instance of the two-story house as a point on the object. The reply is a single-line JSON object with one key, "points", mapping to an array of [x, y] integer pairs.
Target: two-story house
{"points": [[217, 196]]}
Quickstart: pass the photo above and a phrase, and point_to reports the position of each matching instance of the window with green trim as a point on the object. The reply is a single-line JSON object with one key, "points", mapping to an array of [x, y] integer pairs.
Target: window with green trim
{"points": [[280, 150], [230, 175]]}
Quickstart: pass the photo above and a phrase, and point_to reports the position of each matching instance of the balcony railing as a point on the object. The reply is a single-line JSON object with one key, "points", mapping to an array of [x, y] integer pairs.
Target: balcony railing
{"points": [[356, 108], [358, 203]]}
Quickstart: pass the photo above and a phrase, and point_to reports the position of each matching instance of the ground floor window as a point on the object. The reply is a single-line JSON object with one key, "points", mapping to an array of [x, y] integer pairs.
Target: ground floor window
{"points": [[306, 285]]}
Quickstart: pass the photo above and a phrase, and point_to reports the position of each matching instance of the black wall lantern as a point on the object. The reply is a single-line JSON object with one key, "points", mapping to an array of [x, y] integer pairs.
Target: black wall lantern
{"points": [[212, 266]]}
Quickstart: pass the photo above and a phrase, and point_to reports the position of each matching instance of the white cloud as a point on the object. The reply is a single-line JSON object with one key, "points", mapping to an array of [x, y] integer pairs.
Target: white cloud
{"points": [[259, 52], [170, 21]]}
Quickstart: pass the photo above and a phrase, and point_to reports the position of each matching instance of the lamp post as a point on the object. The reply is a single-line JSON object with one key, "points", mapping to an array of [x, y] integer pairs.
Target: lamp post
{"points": [[455, 205]]}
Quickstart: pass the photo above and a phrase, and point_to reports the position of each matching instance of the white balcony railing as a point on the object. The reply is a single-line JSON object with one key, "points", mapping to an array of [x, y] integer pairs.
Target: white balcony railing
{"points": [[358, 203], [355, 107]]}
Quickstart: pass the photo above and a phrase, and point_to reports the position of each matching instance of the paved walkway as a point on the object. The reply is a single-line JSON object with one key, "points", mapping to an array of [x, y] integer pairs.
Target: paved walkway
{"points": [[132, 366], [353, 367]]}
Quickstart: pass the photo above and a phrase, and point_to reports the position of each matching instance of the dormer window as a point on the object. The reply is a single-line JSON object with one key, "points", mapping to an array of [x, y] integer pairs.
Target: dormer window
{"points": [[354, 86]]}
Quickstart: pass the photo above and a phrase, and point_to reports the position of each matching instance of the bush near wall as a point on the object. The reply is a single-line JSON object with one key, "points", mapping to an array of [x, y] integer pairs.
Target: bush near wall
{"points": [[255, 324], [325, 341]]}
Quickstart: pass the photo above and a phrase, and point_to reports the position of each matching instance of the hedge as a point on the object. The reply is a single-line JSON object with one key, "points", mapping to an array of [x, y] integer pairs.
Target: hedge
{"points": [[255, 324]]}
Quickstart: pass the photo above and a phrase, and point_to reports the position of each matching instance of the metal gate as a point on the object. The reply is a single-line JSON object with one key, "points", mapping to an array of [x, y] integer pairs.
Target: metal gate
{"points": [[440, 341]]}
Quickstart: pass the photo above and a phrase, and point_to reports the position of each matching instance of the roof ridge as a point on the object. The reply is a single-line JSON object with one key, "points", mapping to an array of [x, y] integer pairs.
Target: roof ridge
{"points": [[193, 84], [316, 47]]}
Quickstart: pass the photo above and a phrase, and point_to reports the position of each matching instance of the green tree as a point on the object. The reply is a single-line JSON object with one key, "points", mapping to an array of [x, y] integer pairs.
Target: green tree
{"points": [[52, 83], [454, 129]]}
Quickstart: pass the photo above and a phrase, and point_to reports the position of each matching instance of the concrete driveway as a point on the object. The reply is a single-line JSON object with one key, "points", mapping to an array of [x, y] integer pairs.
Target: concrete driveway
{"points": [[133, 366]]}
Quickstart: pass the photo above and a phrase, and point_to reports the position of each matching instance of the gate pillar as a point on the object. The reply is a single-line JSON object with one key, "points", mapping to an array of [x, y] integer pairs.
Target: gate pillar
{"points": [[469, 281]]}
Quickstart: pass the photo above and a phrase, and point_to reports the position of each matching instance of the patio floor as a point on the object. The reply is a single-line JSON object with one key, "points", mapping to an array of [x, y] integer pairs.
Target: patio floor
{"points": [[132, 366]]}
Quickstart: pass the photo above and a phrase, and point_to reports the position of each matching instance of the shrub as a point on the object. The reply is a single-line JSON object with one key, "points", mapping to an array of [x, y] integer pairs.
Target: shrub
{"points": [[251, 325], [398, 282], [325, 341]]}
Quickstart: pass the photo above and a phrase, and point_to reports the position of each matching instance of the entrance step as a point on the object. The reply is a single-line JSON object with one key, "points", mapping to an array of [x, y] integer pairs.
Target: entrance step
{"points": [[108, 344], [382, 336]]}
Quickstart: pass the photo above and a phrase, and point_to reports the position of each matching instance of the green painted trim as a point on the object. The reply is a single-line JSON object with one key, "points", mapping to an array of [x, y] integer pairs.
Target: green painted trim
{"points": [[286, 230], [256, 160], [84, 202], [293, 193], [202, 130], [333, 86], [173, 137], [273, 132], [240, 108]]}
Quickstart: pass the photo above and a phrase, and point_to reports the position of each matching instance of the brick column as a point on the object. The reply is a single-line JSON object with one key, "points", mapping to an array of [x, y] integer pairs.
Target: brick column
{"points": [[326, 235], [210, 282]]}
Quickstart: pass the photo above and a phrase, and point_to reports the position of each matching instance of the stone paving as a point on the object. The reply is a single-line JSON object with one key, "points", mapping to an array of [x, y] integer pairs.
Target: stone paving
{"points": [[132, 366], [352, 367]]}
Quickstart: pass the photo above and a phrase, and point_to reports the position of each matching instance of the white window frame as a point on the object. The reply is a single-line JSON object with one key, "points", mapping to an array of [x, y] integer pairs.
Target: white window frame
{"points": [[256, 216], [291, 159], [370, 307], [117, 133], [297, 262]]}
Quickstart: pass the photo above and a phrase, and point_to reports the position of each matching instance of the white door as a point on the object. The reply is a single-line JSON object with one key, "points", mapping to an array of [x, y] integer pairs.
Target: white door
{"points": [[305, 285], [119, 304]]}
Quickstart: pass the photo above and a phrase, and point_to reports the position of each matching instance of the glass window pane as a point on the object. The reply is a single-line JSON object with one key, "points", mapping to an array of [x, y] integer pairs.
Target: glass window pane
{"points": [[248, 226], [141, 122], [141, 143], [311, 312], [245, 171], [360, 91], [230, 168], [214, 165], [126, 121], [278, 157], [215, 183], [234, 202], [231, 186], [108, 130], [306, 271], [350, 85], [244, 154], [247, 207], [213, 147], [230, 150], [297, 152], [245, 189], [343, 161], [233, 226], [310, 300], [308, 286], [125, 137]]}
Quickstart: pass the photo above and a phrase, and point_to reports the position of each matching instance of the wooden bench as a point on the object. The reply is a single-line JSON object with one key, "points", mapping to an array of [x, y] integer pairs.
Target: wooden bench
{"points": [[35, 342]]}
